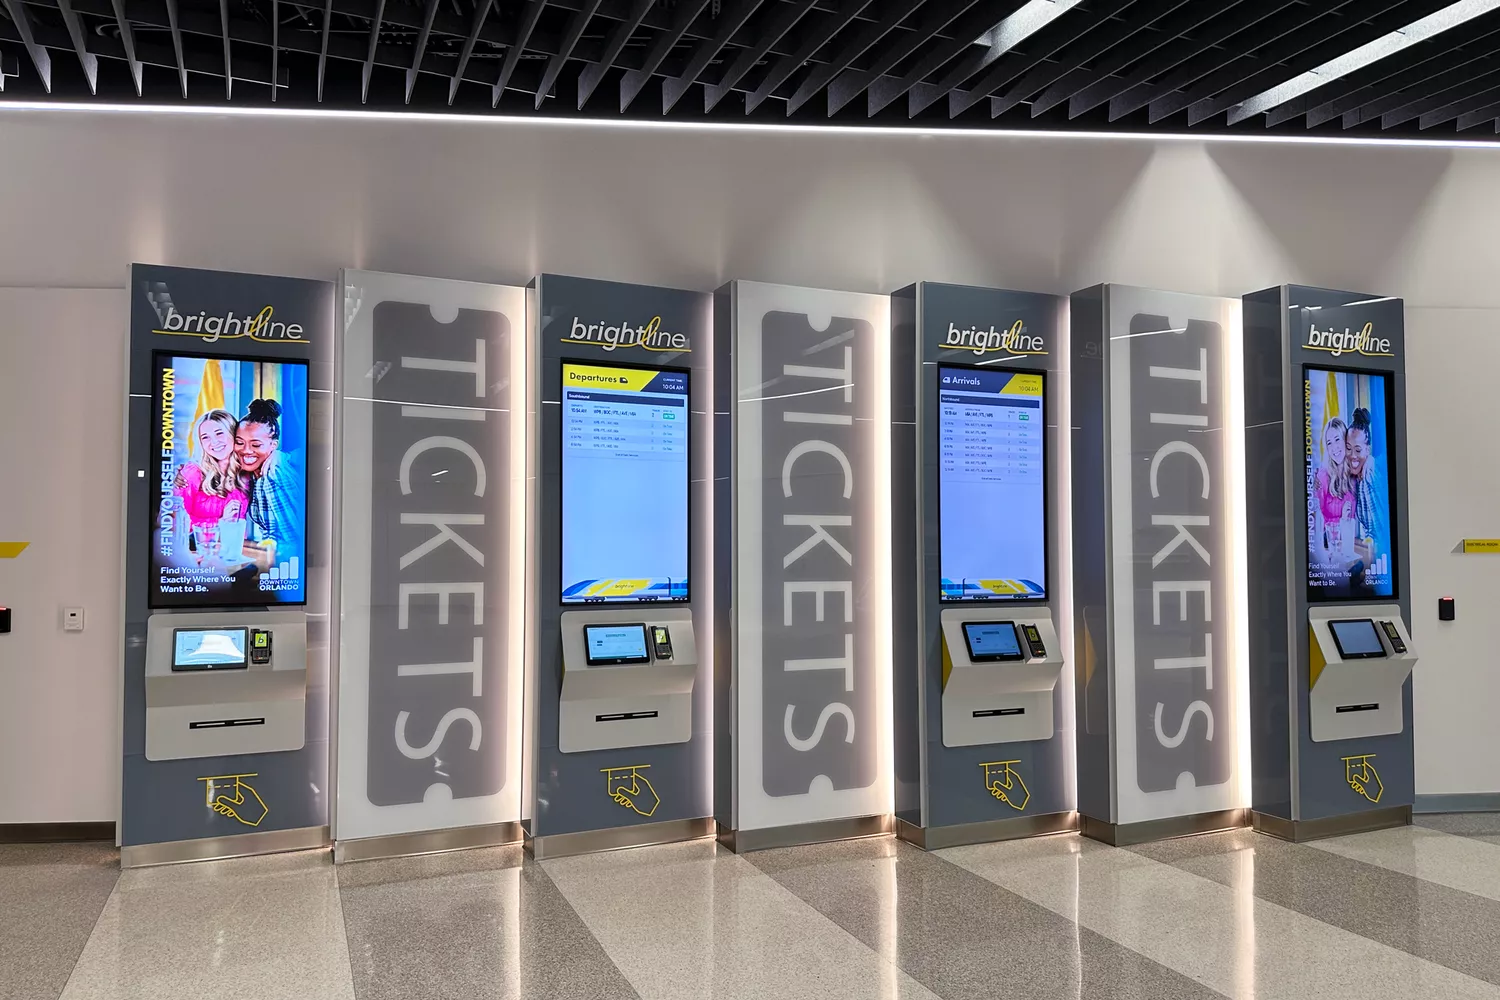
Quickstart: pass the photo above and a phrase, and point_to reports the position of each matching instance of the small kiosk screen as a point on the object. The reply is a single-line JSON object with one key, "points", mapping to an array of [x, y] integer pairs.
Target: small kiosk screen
{"points": [[610, 644], [209, 648], [992, 641], [1356, 638], [992, 494], [624, 484]]}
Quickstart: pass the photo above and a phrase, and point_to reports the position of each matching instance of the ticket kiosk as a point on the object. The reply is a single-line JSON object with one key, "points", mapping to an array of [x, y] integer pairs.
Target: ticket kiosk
{"points": [[981, 709], [1331, 651], [228, 494], [618, 751]]}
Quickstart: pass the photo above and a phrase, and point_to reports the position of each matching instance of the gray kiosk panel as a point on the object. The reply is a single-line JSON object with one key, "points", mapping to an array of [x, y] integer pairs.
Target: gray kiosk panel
{"points": [[641, 702], [199, 705], [990, 699], [1357, 670]]}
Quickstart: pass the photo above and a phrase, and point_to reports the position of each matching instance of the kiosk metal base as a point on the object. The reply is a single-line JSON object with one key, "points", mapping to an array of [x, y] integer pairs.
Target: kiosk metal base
{"points": [[408, 845], [935, 838], [802, 834], [1299, 830], [672, 831], [1126, 834], [240, 845]]}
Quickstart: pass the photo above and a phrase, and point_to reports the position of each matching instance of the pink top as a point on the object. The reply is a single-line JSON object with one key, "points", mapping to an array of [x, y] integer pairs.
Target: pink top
{"points": [[1335, 507], [203, 507]]}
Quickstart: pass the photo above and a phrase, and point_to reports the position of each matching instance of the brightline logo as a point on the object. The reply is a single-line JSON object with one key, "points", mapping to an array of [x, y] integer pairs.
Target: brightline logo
{"points": [[650, 337], [1014, 340], [1348, 342], [261, 327]]}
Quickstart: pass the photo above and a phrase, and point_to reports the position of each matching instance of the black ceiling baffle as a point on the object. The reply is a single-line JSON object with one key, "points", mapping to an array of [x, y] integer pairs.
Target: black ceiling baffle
{"points": [[1361, 68]]}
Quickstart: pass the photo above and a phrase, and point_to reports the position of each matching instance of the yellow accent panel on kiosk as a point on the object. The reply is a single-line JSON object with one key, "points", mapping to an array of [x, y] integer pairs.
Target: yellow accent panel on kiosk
{"points": [[947, 663], [9, 550], [1024, 385], [1315, 659]]}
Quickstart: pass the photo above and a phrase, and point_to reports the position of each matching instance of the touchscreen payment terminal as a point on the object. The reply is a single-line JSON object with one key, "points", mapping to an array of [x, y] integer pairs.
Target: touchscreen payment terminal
{"points": [[1393, 634], [610, 645], [992, 641], [1356, 638]]}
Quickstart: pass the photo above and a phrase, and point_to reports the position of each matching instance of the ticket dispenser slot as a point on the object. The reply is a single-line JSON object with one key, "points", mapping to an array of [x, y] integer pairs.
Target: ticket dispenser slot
{"points": [[627, 678], [225, 683], [1359, 658], [1000, 667]]}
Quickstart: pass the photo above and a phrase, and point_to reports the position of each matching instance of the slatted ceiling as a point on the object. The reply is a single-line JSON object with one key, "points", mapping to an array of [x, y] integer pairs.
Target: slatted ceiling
{"points": [[1127, 65]]}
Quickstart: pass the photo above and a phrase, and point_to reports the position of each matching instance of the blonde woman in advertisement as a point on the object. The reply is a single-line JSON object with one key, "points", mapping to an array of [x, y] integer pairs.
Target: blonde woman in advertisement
{"points": [[211, 489], [1333, 520]]}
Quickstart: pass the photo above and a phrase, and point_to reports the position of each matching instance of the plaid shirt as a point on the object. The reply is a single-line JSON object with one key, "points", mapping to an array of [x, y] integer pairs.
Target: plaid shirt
{"points": [[275, 513]]}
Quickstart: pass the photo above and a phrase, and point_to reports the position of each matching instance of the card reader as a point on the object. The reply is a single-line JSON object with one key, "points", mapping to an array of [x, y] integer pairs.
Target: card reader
{"points": [[661, 639], [260, 645], [1034, 640], [1394, 635]]}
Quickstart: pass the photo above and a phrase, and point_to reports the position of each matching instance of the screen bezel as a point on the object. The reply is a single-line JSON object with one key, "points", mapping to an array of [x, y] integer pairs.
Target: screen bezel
{"points": [[1314, 595], [153, 596], [1339, 645], [244, 630], [615, 661], [993, 657], [562, 528], [937, 427]]}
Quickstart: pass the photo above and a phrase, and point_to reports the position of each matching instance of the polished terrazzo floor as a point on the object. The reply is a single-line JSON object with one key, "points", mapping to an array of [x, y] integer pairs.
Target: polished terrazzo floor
{"points": [[1401, 913]]}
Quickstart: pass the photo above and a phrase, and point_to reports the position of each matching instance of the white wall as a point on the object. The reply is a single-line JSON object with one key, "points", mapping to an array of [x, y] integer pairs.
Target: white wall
{"points": [[62, 384], [88, 193]]}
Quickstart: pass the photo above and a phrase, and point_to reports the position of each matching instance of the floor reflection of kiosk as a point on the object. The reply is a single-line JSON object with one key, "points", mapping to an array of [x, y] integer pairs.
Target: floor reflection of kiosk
{"points": [[1331, 653], [978, 700], [618, 746]]}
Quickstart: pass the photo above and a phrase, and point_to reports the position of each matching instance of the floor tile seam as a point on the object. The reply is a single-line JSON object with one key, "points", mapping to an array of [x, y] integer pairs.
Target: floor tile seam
{"points": [[1441, 834], [588, 929], [1260, 901], [893, 962], [338, 891], [114, 891]]}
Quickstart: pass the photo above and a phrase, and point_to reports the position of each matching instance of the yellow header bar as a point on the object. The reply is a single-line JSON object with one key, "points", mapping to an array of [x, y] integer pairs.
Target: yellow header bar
{"points": [[1481, 546], [1024, 385], [602, 377]]}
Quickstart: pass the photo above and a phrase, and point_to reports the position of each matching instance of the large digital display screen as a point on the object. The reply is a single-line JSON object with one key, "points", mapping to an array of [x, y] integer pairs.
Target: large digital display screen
{"points": [[624, 484], [1350, 551], [992, 485], [229, 478]]}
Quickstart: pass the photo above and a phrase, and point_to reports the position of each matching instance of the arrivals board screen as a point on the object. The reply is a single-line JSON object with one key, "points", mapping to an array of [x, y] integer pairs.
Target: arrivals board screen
{"points": [[992, 492], [624, 484], [1348, 475]]}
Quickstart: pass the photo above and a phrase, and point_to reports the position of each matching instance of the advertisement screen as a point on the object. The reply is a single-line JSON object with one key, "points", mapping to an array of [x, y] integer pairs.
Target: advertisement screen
{"points": [[624, 484], [229, 471], [992, 493], [1348, 482]]}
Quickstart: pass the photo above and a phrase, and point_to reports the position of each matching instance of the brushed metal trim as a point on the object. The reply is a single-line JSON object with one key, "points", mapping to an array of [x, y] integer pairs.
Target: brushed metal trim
{"points": [[1126, 834], [1458, 802], [240, 845], [407, 845], [673, 831], [935, 838], [1302, 830], [802, 834]]}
